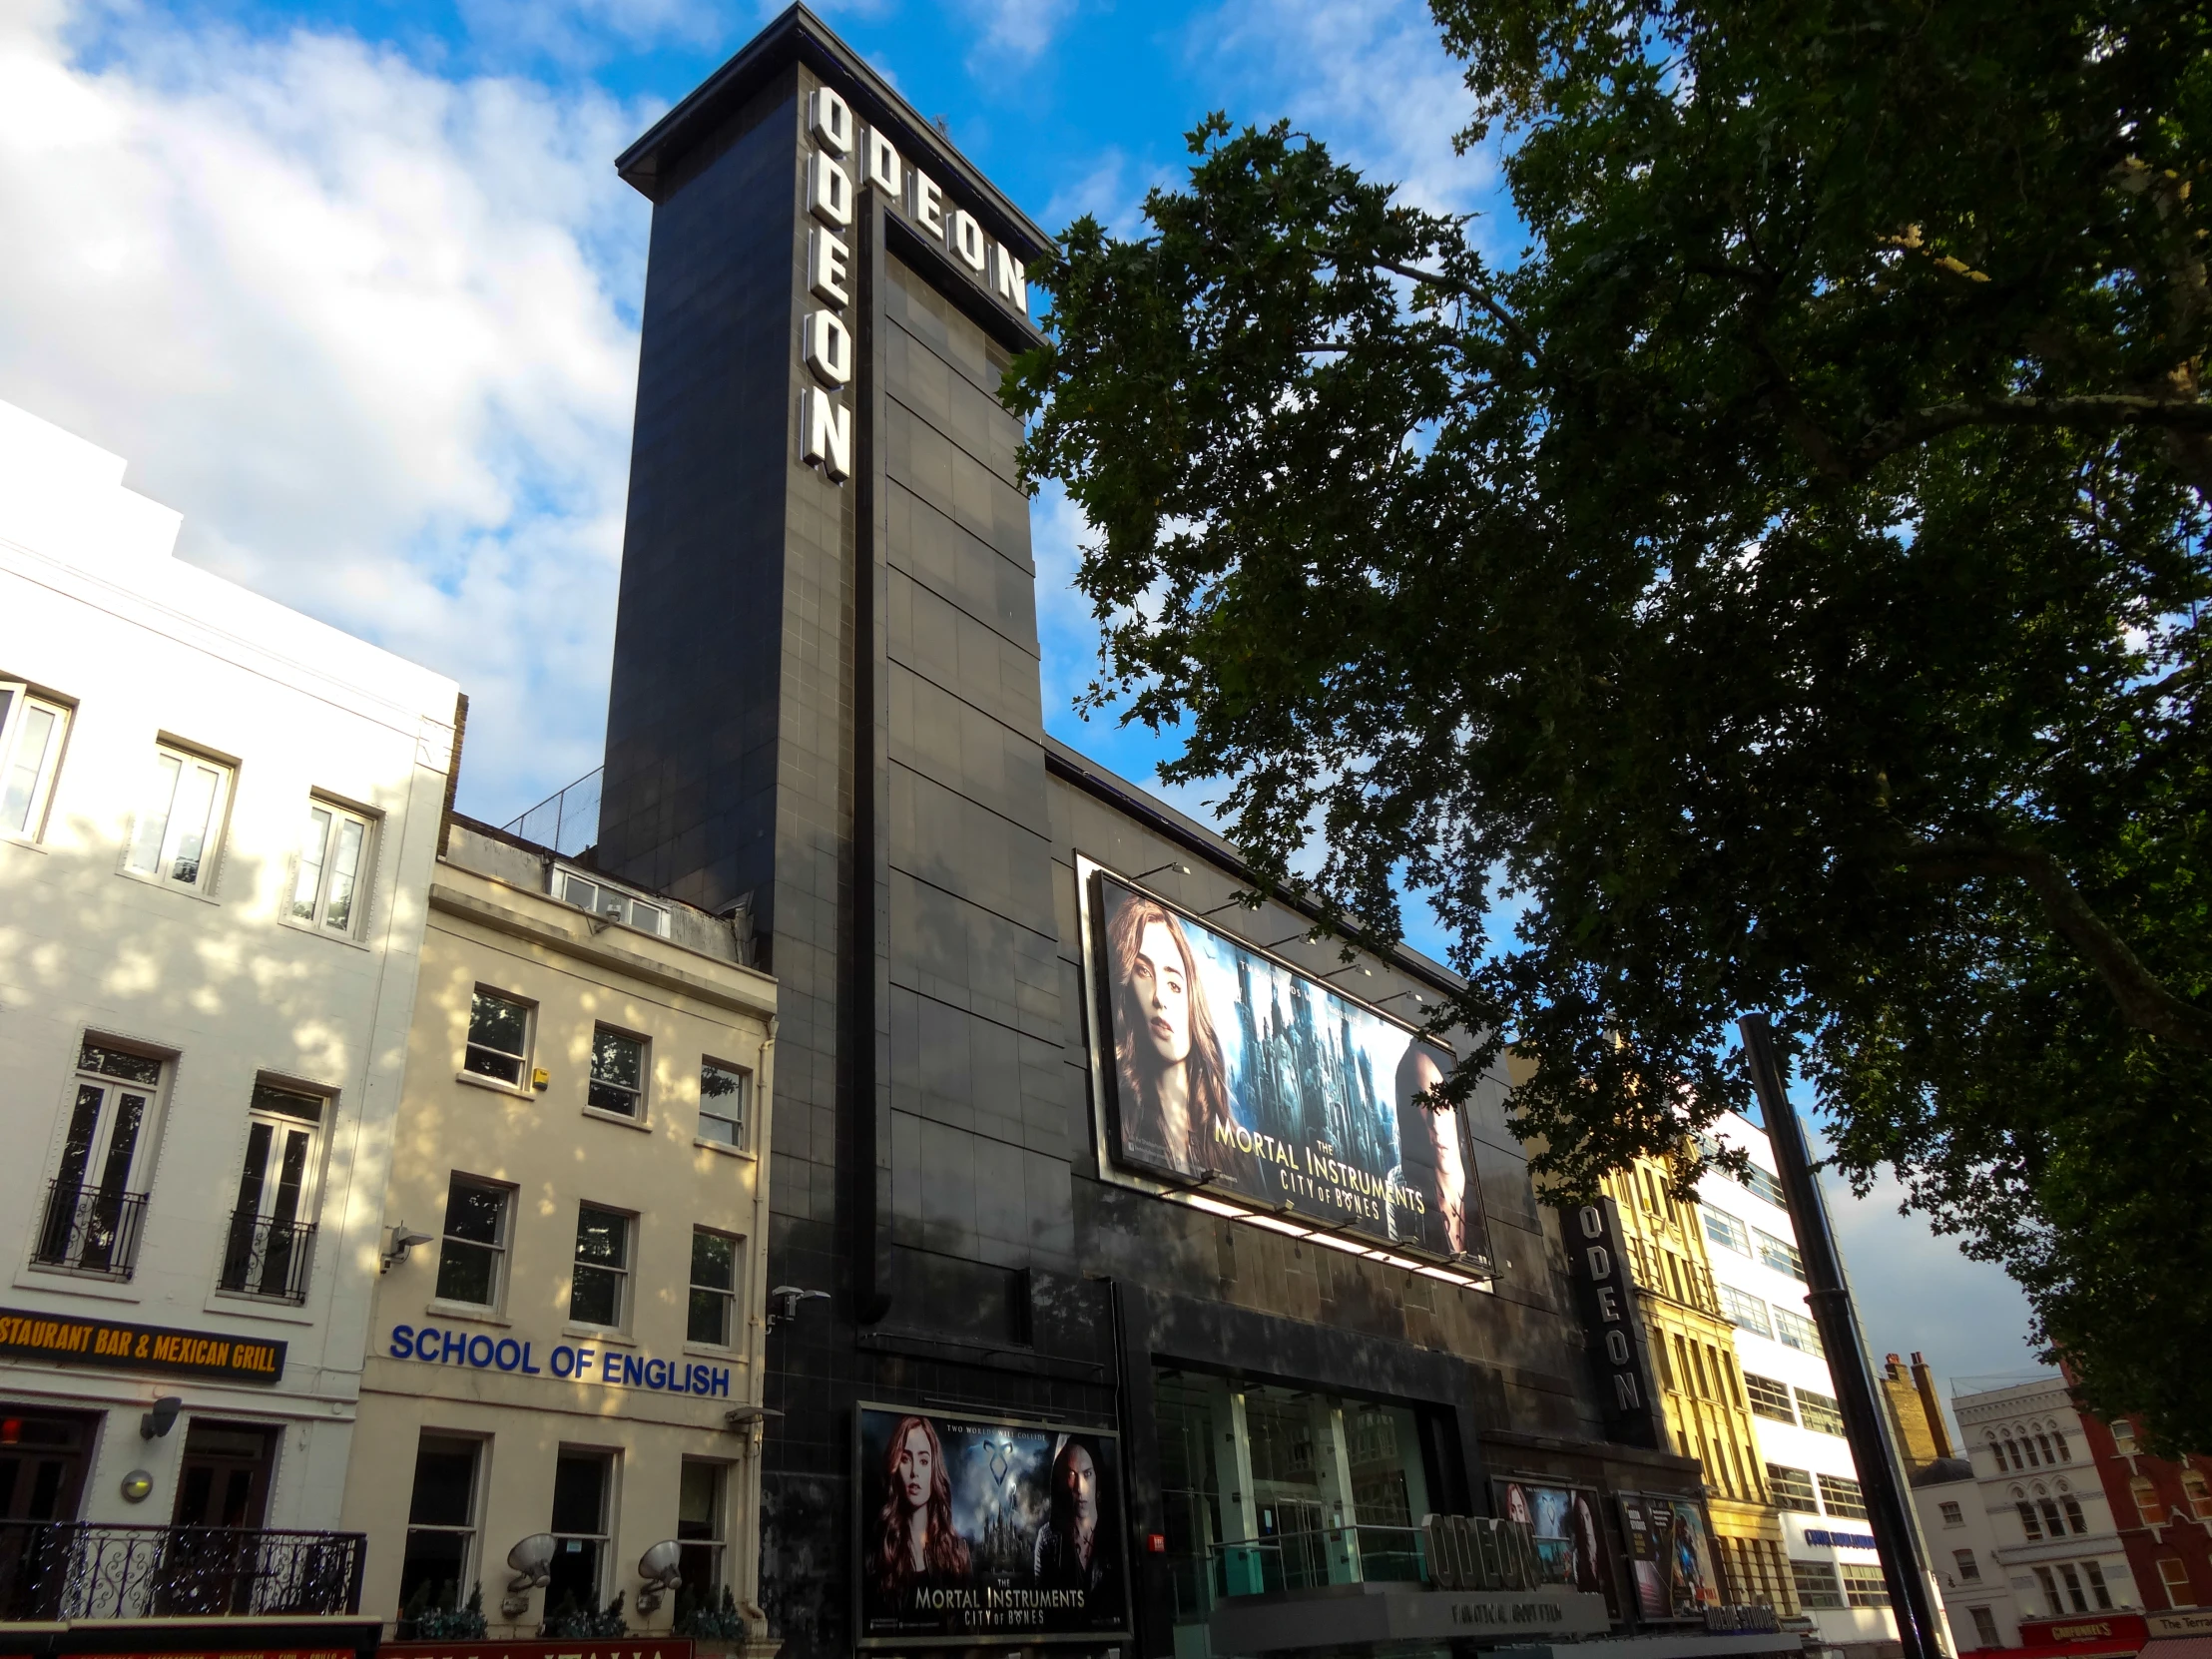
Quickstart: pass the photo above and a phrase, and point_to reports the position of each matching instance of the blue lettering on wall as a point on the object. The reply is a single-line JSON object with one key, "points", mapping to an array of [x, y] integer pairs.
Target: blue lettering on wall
{"points": [[564, 1360], [403, 1342], [456, 1346], [617, 1369], [425, 1344], [528, 1367]]}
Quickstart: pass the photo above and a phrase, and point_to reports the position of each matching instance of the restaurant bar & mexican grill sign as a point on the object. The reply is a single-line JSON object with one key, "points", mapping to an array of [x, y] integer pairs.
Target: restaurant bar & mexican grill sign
{"points": [[115, 1345]]}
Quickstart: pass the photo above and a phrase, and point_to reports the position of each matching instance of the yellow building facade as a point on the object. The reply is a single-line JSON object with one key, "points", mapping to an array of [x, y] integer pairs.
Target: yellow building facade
{"points": [[1708, 1416]]}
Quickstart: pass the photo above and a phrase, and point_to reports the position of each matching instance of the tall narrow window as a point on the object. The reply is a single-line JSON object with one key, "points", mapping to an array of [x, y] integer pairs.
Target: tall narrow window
{"points": [[2076, 1522], [582, 1488], [1986, 1627], [271, 1226], [177, 830], [699, 1506], [2173, 1578], [498, 1036], [441, 1526], [617, 1073], [2051, 1603], [2199, 1495], [2064, 1456], [326, 890], [2029, 1523], [2053, 1522], [1969, 1569], [2072, 1582], [720, 1103], [31, 732], [2147, 1502], [714, 1286], [2123, 1438], [599, 1286], [97, 1200], [473, 1256], [2042, 1441], [2100, 1591]]}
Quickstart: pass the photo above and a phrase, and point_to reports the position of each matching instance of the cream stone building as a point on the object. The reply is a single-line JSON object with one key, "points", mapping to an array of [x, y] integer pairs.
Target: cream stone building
{"points": [[218, 821], [562, 1399]]}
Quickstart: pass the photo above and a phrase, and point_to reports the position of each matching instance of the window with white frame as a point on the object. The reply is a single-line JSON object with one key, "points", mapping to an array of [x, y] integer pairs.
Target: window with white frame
{"points": [[1746, 1313], [180, 827], [1768, 1398], [609, 903], [1798, 1331], [583, 1501], [31, 732], [442, 1525], [1986, 1627], [335, 855], [599, 1284], [714, 1287], [617, 1073], [1782, 1256], [699, 1501], [1969, 1569], [98, 1197], [273, 1223], [2173, 1578], [1952, 1514], [1725, 1229], [1841, 1496], [722, 1103], [2099, 1592], [498, 1036], [1819, 1412], [472, 1258]]}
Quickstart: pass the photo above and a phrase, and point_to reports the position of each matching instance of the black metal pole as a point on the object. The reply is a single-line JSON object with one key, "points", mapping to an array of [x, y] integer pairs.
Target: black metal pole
{"points": [[1881, 1477]]}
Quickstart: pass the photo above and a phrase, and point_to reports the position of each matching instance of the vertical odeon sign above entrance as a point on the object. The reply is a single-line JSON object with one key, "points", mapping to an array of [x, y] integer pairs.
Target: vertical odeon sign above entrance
{"points": [[837, 148]]}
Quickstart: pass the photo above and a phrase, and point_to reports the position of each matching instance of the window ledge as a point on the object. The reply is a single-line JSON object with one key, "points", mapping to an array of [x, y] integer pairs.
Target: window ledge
{"points": [[468, 1311], [315, 932], [728, 1356], [605, 1116], [725, 1149], [233, 1302], [163, 884], [26, 842], [477, 1080], [599, 1334], [65, 1281]]}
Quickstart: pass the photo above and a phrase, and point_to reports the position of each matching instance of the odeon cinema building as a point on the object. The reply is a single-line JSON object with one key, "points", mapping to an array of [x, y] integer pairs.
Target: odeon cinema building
{"points": [[1149, 1302]]}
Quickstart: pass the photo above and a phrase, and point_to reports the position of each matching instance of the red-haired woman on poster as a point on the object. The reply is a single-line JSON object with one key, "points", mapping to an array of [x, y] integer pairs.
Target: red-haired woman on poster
{"points": [[1174, 1087], [915, 1540]]}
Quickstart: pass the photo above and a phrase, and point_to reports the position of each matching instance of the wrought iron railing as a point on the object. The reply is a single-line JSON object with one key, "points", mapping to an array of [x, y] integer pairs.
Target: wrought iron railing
{"points": [[52, 1570], [89, 1228], [268, 1258]]}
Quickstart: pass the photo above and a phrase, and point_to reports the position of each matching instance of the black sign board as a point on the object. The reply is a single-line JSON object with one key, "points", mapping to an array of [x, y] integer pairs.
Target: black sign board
{"points": [[113, 1346], [1606, 1296]]}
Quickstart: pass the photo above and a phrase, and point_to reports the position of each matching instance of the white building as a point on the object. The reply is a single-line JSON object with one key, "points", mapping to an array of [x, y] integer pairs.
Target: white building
{"points": [[218, 819], [2023, 1530], [1810, 1474]]}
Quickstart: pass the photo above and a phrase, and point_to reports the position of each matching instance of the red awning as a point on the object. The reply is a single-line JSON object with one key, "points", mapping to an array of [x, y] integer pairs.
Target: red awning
{"points": [[2178, 1647], [2122, 1647]]}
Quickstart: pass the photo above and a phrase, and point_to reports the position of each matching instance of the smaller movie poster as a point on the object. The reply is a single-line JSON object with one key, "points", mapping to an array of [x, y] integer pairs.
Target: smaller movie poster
{"points": [[979, 1530], [1667, 1556], [1568, 1537]]}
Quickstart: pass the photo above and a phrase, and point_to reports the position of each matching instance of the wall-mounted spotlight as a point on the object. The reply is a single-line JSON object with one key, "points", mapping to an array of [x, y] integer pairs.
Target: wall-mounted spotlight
{"points": [[1179, 867], [662, 1569], [532, 1560], [161, 1418], [404, 1239], [785, 1301]]}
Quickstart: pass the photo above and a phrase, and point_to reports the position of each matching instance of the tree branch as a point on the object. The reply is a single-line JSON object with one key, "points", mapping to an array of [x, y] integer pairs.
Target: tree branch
{"points": [[2143, 1000], [1504, 319], [2099, 412]]}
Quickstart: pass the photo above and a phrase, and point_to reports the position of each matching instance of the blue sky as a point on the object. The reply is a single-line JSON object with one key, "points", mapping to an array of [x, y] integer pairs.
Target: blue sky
{"points": [[353, 287]]}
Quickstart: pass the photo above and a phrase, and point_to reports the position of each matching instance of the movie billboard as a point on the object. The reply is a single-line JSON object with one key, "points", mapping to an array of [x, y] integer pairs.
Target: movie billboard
{"points": [[979, 1530], [1667, 1555], [1569, 1542], [1222, 1066]]}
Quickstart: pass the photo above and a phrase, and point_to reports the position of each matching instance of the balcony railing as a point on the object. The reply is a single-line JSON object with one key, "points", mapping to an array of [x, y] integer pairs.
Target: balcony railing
{"points": [[90, 1230], [52, 1570], [268, 1258]]}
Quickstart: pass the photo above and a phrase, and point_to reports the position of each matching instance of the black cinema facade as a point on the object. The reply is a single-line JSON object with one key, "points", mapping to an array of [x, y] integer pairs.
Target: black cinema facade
{"points": [[1097, 1229]]}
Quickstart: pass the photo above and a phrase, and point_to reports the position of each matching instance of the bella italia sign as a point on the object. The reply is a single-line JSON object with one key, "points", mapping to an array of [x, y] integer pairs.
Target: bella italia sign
{"points": [[840, 148], [565, 1362]]}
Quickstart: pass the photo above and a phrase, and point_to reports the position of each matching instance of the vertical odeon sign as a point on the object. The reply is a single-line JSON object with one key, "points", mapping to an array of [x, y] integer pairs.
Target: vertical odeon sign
{"points": [[1608, 1298], [838, 146]]}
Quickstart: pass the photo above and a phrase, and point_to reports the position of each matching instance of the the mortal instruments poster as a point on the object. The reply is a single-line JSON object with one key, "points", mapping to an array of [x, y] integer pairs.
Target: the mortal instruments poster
{"points": [[974, 1529]]}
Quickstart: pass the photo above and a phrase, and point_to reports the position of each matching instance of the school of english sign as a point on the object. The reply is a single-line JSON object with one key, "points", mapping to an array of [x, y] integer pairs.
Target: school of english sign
{"points": [[563, 1361]]}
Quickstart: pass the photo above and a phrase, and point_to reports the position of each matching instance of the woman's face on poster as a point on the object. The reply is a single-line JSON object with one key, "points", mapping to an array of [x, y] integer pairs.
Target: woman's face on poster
{"points": [[1163, 994], [1444, 1141], [1516, 1506], [1079, 1481], [918, 1469]]}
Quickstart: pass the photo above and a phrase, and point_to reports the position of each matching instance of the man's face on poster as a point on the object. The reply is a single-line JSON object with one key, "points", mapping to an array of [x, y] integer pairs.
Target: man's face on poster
{"points": [[1452, 1170], [1163, 994], [1079, 1481]]}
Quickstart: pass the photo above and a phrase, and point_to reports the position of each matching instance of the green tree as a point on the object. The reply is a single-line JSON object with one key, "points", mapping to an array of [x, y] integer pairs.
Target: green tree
{"points": [[1781, 579]]}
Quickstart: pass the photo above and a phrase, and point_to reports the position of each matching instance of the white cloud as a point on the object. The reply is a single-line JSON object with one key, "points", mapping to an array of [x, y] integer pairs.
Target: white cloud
{"points": [[1019, 30], [366, 327], [1367, 76]]}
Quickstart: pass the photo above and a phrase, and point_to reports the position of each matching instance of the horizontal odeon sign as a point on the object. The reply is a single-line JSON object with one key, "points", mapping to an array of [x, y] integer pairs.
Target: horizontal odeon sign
{"points": [[564, 1362], [115, 1345]]}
